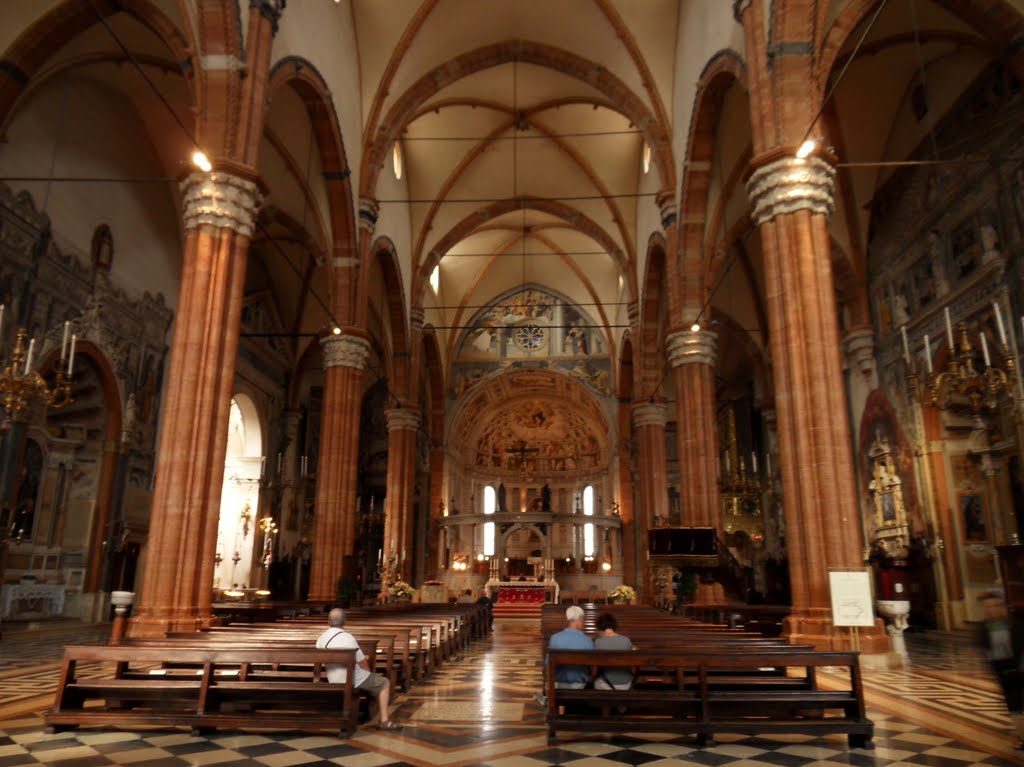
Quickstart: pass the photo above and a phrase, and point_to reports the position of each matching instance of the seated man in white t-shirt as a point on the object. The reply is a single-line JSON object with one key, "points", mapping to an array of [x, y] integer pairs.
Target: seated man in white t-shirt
{"points": [[336, 638]]}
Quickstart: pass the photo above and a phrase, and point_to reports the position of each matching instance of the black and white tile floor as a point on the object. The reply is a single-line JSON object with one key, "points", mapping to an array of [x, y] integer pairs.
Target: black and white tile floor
{"points": [[942, 710]]}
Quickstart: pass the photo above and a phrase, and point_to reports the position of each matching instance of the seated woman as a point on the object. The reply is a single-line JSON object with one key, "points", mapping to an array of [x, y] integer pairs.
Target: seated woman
{"points": [[608, 639]]}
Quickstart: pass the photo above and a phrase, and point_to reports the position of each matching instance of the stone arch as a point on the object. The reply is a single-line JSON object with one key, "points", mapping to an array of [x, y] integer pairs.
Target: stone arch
{"points": [[398, 372], [306, 80], [657, 135], [55, 29], [723, 70], [995, 20], [651, 360]]}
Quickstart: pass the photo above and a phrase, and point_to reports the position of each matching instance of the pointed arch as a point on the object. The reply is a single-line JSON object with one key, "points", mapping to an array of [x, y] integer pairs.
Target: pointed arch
{"points": [[385, 255], [722, 71], [650, 371]]}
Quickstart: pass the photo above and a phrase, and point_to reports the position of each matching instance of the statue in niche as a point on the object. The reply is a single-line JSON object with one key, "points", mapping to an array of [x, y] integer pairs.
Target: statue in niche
{"points": [[545, 497], [501, 496], [899, 309], [886, 486], [989, 243]]}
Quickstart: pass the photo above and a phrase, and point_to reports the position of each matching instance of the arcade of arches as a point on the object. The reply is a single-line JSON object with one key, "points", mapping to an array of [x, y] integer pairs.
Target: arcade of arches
{"points": [[479, 291]]}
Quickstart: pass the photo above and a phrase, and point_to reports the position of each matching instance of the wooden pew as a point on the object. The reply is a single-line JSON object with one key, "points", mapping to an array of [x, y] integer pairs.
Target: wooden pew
{"points": [[219, 688], [693, 696]]}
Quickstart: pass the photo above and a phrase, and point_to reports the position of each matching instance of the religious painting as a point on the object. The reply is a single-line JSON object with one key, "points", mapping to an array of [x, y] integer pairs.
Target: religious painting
{"points": [[972, 512], [533, 328], [887, 463]]}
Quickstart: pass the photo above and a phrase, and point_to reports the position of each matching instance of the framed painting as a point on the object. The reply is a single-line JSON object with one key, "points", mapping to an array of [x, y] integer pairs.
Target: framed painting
{"points": [[972, 513]]}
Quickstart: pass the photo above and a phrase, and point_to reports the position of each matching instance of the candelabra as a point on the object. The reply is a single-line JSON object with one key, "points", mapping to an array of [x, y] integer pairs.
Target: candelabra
{"points": [[21, 387], [961, 385], [740, 483], [269, 528]]}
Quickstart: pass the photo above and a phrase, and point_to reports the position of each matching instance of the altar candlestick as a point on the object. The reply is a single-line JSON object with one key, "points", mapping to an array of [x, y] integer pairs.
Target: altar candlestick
{"points": [[28, 359], [64, 342], [999, 322], [71, 357], [928, 353], [906, 344], [984, 350], [949, 331]]}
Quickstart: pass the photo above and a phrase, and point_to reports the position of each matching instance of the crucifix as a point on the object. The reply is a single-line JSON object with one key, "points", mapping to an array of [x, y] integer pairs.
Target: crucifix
{"points": [[521, 450]]}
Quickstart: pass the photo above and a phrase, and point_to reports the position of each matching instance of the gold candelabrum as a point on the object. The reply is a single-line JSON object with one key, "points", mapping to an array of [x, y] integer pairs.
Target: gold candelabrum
{"points": [[740, 483], [961, 385], [22, 388], [269, 528]]}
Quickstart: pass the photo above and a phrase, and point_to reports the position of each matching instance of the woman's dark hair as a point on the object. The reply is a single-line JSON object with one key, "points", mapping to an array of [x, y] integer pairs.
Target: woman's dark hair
{"points": [[607, 621]]}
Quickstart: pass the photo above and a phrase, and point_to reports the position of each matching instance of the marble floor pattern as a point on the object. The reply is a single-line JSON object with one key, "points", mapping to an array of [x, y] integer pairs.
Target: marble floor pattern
{"points": [[942, 710]]}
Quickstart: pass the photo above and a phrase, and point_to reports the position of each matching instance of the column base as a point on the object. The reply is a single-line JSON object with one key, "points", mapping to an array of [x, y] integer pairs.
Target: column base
{"points": [[814, 627], [155, 625]]}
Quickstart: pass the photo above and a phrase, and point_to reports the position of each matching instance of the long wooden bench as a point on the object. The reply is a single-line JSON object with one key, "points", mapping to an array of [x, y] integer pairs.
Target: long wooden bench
{"points": [[703, 694], [233, 688]]}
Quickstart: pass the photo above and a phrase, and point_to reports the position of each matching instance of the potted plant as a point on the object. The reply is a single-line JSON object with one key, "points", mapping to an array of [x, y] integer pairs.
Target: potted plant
{"points": [[400, 591], [622, 593]]}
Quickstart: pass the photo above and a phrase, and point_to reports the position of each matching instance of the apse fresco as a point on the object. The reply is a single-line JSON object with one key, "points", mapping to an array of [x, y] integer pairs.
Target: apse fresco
{"points": [[533, 437], [532, 329]]}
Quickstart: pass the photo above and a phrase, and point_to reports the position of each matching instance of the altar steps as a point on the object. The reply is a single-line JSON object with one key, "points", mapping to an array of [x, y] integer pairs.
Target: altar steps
{"points": [[518, 610]]}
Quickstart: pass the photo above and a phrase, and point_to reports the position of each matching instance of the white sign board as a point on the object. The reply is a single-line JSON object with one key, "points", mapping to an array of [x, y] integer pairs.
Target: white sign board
{"points": [[851, 598]]}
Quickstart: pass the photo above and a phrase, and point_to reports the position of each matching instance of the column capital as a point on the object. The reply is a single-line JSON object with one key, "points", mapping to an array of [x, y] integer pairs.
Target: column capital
{"points": [[345, 350], [369, 209], [666, 202], [688, 346], [859, 348], [220, 199], [790, 183], [270, 9], [417, 314], [738, 7], [400, 418], [649, 414]]}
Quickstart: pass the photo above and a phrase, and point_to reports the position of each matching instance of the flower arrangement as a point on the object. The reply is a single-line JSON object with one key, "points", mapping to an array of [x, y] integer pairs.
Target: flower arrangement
{"points": [[401, 590], [622, 593]]}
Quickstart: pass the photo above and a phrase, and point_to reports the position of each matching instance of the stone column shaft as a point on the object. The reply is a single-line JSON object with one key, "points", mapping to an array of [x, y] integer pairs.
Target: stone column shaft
{"points": [[791, 199], [334, 524], [403, 425], [651, 471], [692, 357], [177, 582], [435, 555]]}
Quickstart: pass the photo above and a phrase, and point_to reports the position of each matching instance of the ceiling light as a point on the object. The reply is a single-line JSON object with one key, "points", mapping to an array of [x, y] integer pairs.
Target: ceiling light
{"points": [[201, 161], [396, 159], [695, 327], [647, 157], [336, 331], [806, 148]]}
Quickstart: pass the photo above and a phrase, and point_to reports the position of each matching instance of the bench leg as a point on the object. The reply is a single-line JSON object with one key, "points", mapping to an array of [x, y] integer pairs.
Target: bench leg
{"points": [[53, 729], [705, 740], [860, 741]]}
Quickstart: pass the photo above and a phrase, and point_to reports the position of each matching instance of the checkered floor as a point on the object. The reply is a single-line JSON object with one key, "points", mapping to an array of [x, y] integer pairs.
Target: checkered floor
{"points": [[942, 710]]}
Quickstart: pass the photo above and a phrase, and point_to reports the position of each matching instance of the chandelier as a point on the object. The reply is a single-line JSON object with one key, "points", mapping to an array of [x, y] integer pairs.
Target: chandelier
{"points": [[962, 385], [22, 387]]}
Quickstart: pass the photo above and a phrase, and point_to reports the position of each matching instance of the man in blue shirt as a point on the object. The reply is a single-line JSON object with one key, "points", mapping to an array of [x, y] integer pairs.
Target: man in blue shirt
{"points": [[570, 638]]}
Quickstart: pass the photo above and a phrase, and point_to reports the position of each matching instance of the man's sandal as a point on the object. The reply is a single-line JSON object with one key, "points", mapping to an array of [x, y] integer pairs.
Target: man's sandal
{"points": [[391, 724]]}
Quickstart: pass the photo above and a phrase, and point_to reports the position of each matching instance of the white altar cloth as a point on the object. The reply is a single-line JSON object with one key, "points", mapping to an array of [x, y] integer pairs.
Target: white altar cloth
{"points": [[38, 595]]}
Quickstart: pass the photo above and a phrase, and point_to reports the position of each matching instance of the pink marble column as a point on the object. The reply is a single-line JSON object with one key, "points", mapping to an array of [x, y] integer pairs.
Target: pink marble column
{"points": [[791, 200], [403, 425], [176, 591], [651, 476], [344, 359]]}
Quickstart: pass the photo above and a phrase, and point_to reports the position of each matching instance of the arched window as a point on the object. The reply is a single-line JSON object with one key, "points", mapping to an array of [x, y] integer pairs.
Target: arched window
{"points": [[588, 529], [490, 501]]}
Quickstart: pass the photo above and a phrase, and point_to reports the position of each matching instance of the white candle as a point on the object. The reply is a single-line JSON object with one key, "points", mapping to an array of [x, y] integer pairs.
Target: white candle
{"points": [[28, 359], [753, 460], [768, 463], [984, 350], [278, 463], [71, 357], [906, 344], [999, 323], [949, 331], [928, 353], [2, 323], [64, 342]]}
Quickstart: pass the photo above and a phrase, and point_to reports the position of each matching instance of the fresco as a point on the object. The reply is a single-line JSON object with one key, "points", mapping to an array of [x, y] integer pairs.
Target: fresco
{"points": [[533, 437], [532, 328]]}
